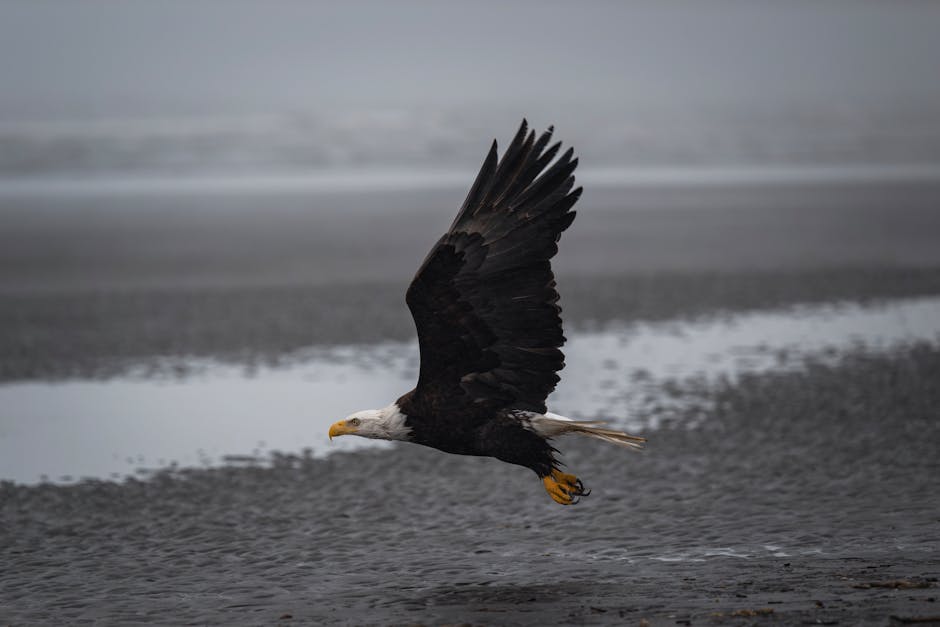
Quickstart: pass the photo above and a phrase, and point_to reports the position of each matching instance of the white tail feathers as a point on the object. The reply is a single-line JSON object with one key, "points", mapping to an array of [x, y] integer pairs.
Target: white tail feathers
{"points": [[551, 425]]}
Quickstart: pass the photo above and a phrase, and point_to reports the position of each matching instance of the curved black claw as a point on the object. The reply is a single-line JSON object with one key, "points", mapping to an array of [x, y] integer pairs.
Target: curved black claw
{"points": [[581, 491]]}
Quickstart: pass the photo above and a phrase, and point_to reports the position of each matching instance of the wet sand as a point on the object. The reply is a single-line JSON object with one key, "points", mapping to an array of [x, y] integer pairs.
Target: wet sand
{"points": [[92, 286], [802, 497], [807, 497]]}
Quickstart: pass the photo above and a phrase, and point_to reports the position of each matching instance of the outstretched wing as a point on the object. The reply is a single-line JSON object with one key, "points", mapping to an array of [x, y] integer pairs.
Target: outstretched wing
{"points": [[484, 300]]}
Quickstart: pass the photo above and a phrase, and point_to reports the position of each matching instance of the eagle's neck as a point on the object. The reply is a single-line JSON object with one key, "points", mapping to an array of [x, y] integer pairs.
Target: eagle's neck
{"points": [[391, 422]]}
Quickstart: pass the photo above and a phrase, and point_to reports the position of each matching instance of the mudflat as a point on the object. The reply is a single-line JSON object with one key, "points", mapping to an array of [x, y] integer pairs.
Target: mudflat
{"points": [[807, 497], [91, 286]]}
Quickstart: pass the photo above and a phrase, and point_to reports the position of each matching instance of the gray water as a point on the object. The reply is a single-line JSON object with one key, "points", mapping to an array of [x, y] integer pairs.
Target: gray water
{"points": [[241, 90]]}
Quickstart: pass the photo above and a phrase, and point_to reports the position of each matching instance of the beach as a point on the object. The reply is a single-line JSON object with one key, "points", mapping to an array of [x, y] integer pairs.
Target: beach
{"points": [[798, 495], [809, 498]]}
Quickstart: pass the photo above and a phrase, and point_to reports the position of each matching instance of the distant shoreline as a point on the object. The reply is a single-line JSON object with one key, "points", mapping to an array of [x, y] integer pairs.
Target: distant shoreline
{"points": [[372, 179]]}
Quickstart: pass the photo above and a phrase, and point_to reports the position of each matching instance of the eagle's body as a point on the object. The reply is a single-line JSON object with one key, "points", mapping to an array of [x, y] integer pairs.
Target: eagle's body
{"points": [[489, 330]]}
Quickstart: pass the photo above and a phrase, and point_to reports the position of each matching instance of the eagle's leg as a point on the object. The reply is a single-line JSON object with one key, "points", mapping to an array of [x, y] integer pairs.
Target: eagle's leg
{"points": [[564, 488]]}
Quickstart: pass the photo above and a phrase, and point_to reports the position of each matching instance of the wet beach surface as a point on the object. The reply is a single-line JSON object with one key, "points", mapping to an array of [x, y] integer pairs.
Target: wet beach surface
{"points": [[99, 284], [789, 497], [184, 412], [807, 496]]}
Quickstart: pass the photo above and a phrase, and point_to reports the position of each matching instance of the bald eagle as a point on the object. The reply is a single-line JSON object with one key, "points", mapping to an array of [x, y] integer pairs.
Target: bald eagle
{"points": [[489, 327]]}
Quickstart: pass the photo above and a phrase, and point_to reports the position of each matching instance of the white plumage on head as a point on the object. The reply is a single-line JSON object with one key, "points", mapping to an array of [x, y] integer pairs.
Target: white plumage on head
{"points": [[387, 423]]}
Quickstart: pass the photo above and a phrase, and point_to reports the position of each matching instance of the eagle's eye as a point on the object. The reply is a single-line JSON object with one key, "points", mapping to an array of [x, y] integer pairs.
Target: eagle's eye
{"points": [[354, 422]]}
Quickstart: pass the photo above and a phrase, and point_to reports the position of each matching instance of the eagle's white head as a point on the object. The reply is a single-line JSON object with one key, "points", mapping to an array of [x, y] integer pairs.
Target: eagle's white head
{"points": [[387, 423]]}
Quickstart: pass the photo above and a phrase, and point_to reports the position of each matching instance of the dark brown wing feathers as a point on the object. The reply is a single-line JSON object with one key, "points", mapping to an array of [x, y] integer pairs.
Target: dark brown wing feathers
{"points": [[484, 300]]}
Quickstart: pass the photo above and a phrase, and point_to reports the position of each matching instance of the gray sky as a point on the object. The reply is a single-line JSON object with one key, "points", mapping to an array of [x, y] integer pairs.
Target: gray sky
{"points": [[130, 57]]}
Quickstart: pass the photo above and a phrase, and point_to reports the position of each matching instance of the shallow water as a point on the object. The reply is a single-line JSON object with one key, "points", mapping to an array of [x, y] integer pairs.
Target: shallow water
{"points": [[635, 375]]}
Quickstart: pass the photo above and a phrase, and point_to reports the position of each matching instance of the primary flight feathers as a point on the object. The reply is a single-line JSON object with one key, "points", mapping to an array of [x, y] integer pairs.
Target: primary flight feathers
{"points": [[484, 300]]}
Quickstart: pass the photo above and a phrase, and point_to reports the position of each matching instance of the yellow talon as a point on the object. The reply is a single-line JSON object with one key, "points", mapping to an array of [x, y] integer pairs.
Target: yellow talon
{"points": [[564, 488]]}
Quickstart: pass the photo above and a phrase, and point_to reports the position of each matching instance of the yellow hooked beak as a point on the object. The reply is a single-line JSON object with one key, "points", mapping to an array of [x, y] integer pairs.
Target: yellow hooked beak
{"points": [[341, 428]]}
